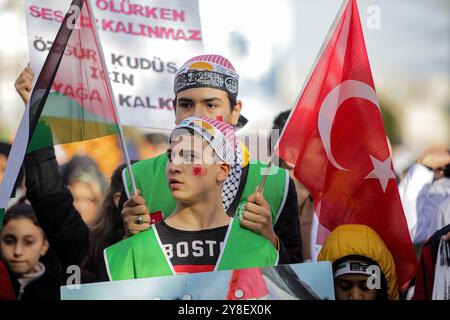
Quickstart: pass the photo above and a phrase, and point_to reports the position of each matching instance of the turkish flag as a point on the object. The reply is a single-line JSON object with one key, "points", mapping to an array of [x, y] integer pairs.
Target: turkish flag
{"points": [[336, 138]]}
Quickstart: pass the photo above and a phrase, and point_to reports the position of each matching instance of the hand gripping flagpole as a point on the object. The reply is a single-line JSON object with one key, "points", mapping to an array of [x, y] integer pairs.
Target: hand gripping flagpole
{"points": [[108, 83], [273, 157]]}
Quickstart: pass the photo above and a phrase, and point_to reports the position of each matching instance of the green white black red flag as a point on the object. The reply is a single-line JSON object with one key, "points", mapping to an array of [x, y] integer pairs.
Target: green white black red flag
{"points": [[67, 103]]}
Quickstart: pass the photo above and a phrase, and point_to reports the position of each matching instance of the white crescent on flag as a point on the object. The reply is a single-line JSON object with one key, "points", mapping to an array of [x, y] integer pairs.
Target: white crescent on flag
{"points": [[330, 105]]}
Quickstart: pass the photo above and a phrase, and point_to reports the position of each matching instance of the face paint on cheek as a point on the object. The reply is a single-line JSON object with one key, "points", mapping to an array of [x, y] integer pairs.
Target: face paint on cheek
{"points": [[199, 171], [219, 118]]}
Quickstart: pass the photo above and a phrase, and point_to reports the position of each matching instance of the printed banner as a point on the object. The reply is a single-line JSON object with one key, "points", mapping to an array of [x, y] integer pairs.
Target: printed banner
{"points": [[144, 43], [303, 281]]}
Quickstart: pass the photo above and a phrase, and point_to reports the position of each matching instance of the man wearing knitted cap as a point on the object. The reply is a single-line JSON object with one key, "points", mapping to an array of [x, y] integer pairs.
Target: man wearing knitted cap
{"points": [[198, 236], [207, 86]]}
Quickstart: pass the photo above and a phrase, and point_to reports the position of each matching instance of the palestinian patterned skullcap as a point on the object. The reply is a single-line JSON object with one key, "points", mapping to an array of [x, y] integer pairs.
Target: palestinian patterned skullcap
{"points": [[220, 135], [213, 71]]}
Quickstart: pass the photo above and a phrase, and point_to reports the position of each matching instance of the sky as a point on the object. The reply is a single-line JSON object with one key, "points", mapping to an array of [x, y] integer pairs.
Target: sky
{"points": [[273, 45]]}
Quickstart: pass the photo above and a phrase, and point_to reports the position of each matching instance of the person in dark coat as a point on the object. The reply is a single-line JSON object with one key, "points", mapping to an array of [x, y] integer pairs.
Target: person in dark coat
{"points": [[75, 242], [52, 203]]}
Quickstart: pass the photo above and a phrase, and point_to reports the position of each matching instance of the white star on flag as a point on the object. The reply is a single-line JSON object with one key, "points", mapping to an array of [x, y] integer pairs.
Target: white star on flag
{"points": [[381, 171]]}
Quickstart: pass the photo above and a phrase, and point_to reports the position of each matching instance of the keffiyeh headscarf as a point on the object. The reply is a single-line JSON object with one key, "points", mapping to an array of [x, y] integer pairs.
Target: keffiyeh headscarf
{"points": [[221, 136], [231, 185]]}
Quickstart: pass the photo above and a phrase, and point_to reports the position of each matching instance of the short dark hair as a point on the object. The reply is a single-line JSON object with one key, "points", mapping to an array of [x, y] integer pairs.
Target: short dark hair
{"points": [[280, 120], [447, 170], [5, 148], [233, 101], [278, 124], [22, 211]]}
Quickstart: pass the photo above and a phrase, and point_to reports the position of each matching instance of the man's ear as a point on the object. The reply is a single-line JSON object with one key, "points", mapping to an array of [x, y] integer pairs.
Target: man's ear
{"points": [[236, 112], [224, 170]]}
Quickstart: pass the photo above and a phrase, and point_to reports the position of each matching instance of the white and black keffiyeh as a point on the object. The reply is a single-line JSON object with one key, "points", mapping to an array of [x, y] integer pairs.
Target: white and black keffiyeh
{"points": [[231, 185], [221, 137]]}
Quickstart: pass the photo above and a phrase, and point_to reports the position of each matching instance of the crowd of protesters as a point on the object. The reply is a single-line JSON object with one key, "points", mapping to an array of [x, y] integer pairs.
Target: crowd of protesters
{"points": [[72, 215]]}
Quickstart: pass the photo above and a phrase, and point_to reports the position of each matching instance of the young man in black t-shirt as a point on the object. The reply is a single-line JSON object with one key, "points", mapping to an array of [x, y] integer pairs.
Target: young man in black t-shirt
{"points": [[192, 251]]}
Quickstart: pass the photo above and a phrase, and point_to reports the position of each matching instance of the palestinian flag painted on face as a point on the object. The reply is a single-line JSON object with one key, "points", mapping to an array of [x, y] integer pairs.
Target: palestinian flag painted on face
{"points": [[71, 99]]}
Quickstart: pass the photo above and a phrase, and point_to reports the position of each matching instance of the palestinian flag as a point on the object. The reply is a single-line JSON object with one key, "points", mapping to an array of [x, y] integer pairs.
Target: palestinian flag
{"points": [[71, 99]]}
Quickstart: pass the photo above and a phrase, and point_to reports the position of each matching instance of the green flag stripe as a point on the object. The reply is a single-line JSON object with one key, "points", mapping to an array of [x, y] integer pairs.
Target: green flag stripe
{"points": [[64, 120]]}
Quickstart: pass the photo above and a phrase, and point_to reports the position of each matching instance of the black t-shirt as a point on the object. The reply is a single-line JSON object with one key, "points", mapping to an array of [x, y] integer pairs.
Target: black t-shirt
{"points": [[192, 251]]}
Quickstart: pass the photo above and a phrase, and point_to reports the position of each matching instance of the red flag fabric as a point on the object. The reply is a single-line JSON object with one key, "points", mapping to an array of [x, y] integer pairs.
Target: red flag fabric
{"points": [[336, 138], [7, 291], [247, 284]]}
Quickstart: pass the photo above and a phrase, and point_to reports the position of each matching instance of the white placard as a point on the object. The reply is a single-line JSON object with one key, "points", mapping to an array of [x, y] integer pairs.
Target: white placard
{"points": [[144, 43]]}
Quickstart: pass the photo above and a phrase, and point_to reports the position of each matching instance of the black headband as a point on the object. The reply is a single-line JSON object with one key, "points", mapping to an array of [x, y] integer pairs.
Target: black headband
{"points": [[207, 78]]}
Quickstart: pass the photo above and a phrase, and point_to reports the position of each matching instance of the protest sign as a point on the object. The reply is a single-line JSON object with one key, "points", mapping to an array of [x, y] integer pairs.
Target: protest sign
{"points": [[303, 281], [144, 43]]}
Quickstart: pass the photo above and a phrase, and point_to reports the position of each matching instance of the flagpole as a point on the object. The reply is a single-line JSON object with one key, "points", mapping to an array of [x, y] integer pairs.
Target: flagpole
{"points": [[108, 83], [319, 54]]}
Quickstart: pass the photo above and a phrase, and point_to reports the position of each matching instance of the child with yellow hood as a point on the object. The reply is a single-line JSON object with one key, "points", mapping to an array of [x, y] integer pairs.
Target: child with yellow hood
{"points": [[363, 267]]}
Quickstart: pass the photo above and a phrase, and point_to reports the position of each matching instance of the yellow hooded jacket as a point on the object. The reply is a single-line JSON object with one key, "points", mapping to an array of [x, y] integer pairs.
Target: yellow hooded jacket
{"points": [[356, 239]]}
